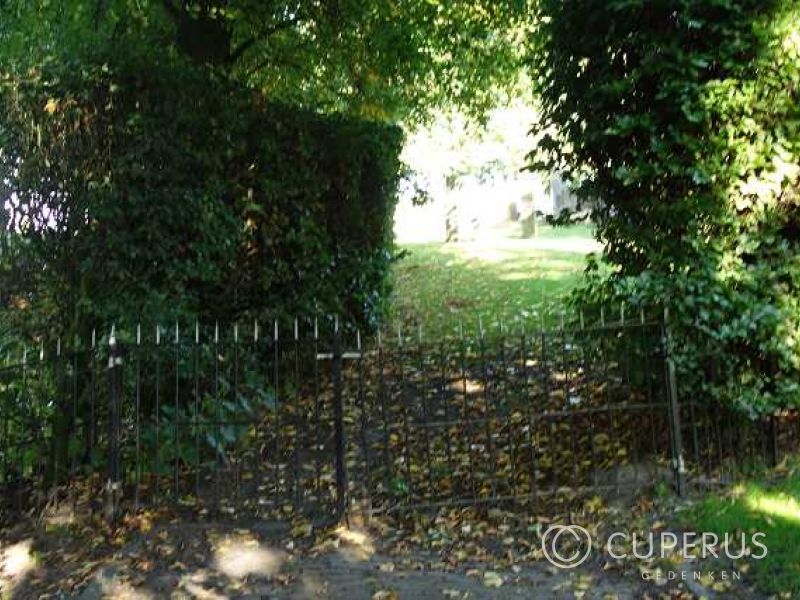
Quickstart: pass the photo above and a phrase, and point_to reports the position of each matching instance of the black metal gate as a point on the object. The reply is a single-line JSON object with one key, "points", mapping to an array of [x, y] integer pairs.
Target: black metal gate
{"points": [[311, 420]]}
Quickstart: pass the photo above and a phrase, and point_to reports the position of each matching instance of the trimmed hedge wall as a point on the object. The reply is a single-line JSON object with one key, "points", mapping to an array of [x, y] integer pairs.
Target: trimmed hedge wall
{"points": [[153, 191]]}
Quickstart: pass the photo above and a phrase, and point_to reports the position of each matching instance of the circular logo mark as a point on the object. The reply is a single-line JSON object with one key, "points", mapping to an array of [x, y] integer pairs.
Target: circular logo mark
{"points": [[566, 546]]}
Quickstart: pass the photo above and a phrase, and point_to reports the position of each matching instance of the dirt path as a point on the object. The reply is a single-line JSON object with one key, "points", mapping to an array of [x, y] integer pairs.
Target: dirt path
{"points": [[213, 561], [457, 555]]}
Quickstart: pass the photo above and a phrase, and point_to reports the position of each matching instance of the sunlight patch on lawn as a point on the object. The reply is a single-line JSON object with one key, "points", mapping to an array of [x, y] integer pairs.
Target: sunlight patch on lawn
{"points": [[774, 505], [769, 505], [503, 250], [449, 286]]}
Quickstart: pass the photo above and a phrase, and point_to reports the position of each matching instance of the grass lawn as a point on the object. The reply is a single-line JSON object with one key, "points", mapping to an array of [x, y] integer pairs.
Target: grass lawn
{"points": [[501, 279], [758, 506]]}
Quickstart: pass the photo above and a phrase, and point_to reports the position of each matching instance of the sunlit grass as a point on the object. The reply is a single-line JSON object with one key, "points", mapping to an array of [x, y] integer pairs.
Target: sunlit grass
{"points": [[513, 281], [774, 505], [760, 507]]}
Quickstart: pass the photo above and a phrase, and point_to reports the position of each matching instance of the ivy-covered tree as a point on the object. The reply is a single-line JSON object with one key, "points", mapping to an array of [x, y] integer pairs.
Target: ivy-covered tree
{"points": [[679, 121]]}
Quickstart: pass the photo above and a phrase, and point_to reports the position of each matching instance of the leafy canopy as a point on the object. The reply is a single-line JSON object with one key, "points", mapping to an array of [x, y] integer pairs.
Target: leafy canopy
{"points": [[381, 59]]}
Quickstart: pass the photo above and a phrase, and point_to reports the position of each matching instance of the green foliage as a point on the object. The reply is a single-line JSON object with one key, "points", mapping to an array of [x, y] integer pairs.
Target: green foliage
{"points": [[23, 421], [765, 506], [380, 59], [680, 121], [222, 423], [146, 190]]}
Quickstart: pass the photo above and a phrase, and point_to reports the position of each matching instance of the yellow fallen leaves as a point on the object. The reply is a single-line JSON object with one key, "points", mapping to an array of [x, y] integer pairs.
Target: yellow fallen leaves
{"points": [[301, 529], [492, 579], [386, 567]]}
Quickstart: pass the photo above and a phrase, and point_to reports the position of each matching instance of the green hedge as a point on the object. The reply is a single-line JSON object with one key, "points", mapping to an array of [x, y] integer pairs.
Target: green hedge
{"points": [[155, 190]]}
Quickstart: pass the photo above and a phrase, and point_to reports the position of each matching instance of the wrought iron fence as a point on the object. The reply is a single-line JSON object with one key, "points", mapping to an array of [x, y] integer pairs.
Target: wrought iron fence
{"points": [[314, 419]]}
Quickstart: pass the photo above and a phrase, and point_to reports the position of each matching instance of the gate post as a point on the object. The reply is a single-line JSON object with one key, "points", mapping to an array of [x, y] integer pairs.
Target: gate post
{"points": [[772, 425], [678, 465], [338, 417], [114, 481]]}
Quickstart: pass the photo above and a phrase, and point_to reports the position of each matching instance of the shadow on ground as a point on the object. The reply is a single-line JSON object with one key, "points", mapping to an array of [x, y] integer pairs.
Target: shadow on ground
{"points": [[211, 561]]}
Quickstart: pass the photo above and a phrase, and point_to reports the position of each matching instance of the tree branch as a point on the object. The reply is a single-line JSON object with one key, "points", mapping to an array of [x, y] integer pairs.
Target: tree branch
{"points": [[252, 41]]}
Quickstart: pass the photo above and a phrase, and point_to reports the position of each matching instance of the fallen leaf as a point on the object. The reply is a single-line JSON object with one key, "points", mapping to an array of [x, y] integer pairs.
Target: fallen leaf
{"points": [[492, 579]]}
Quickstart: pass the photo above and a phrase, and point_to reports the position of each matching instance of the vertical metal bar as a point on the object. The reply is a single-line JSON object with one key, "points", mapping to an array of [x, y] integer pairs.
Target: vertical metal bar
{"points": [[773, 441], [176, 417], [675, 423], [531, 420], [7, 444], [506, 399], [198, 461], [113, 484], [587, 383], [338, 408], [387, 462], [157, 415], [708, 448], [443, 360], [364, 420], [298, 490], [647, 357], [547, 376], [718, 438], [40, 388], [62, 410], [138, 384], [24, 393], [466, 415], [566, 365], [74, 449], [405, 418], [277, 462], [24, 396], [92, 396], [695, 435], [256, 459], [9, 404], [217, 416], [629, 417], [318, 423], [234, 460], [695, 440], [487, 413], [425, 416], [609, 410]]}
